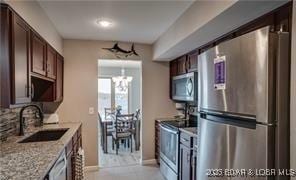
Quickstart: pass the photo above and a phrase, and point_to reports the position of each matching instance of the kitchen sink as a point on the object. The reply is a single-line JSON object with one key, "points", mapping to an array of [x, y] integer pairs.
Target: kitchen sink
{"points": [[45, 135]]}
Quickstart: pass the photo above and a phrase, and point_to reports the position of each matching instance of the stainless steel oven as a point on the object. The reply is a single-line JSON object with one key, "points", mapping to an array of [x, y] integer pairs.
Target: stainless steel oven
{"points": [[184, 87], [169, 152]]}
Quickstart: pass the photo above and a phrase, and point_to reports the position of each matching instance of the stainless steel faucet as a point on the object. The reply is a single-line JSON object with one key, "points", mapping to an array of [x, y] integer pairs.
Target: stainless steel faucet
{"points": [[22, 119]]}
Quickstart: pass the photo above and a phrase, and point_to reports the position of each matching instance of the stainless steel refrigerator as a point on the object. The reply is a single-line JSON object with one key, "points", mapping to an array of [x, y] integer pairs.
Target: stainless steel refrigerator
{"points": [[243, 93]]}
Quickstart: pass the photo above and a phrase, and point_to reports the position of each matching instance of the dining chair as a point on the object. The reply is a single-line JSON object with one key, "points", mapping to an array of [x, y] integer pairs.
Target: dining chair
{"points": [[101, 129], [123, 126], [106, 130], [136, 129], [137, 114], [109, 112], [136, 120]]}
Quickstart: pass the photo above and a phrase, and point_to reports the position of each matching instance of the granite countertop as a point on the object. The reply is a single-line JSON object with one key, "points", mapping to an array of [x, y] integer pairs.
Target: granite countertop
{"points": [[169, 119], [190, 130], [32, 161]]}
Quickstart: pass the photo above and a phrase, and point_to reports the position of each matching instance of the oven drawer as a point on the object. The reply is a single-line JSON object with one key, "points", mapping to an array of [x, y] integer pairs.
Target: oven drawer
{"points": [[167, 172]]}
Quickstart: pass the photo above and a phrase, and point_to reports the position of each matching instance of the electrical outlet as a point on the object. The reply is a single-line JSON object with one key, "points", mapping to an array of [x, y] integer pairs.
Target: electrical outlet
{"points": [[91, 110]]}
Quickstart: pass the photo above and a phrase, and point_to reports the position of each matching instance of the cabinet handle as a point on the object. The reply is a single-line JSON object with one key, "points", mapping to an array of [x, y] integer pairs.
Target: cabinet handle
{"points": [[44, 65], [193, 161], [188, 157], [26, 90], [195, 147], [32, 91], [48, 68]]}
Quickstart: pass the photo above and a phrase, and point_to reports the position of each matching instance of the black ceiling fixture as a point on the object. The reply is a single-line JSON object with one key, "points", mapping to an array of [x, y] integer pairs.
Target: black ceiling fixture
{"points": [[119, 52]]}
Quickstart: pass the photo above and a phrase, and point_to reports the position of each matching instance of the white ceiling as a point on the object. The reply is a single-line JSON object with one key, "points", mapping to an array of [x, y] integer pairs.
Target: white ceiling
{"points": [[134, 21], [204, 29], [119, 63]]}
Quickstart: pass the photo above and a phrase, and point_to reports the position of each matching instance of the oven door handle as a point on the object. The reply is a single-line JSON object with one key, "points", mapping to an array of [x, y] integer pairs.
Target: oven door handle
{"points": [[169, 130]]}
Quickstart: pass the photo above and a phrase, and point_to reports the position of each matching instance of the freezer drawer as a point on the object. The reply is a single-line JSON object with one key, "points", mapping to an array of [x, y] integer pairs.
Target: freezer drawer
{"points": [[224, 146]]}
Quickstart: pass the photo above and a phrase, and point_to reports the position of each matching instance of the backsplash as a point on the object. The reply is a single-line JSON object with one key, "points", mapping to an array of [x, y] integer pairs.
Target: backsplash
{"points": [[9, 121]]}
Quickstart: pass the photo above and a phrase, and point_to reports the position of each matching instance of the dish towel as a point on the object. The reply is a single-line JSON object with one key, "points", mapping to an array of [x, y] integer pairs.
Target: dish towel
{"points": [[79, 165]]}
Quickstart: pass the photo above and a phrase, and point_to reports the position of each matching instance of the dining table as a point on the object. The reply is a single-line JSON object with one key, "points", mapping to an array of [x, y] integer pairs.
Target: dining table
{"points": [[109, 122]]}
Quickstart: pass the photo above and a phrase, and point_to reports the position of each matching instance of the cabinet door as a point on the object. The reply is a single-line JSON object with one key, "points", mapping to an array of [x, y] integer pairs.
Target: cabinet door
{"points": [[51, 62], [173, 72], [5, 94], [182, 65], [174, 68], [185, 159], [157, 141], [193, 165], [69, 166], [38, 55], [20, 61], [59, 78], [192, 62]]}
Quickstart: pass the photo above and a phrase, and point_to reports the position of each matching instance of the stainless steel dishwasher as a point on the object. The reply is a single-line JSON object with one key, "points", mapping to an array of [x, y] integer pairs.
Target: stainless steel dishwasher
{"points": [[58, 171]]}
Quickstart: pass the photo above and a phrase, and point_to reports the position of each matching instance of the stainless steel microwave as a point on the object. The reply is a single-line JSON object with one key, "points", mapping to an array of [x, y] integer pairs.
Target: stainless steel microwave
{"points": [[184, 87]]}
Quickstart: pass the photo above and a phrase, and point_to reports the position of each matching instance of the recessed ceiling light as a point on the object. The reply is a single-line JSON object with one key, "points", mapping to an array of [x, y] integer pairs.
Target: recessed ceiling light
{"points": [[104, 23]]}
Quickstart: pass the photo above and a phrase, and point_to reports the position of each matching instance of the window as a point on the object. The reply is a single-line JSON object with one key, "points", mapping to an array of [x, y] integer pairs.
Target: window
{"points": [[121, 99], [111, 97], [104, 94]]}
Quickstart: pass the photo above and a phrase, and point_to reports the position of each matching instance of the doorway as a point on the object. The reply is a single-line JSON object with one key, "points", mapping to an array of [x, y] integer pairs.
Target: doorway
{"points": [[119, 95]]}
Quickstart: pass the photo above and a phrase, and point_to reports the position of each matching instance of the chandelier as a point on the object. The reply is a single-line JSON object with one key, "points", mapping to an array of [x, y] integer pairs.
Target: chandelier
{"points": [[122, 82]]}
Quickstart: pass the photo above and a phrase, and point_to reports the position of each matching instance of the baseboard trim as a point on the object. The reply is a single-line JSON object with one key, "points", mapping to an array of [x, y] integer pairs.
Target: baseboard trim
{"points": [[91, 168], [148, 162]]}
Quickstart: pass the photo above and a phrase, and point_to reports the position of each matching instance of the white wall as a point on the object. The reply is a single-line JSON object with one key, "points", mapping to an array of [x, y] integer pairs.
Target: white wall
{"points": [[135, 85], [35, 16], [197, 15], [81, 92], [293, 93], [205, 21]]}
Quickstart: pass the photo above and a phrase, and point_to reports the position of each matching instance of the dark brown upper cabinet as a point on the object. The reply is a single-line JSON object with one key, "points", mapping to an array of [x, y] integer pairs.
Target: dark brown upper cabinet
{"points": [[59, 79], [51, 62], [20, 61], [192, 62], [15, 59], [30, 70], [38, 49], [182, 65], [173, 68]]}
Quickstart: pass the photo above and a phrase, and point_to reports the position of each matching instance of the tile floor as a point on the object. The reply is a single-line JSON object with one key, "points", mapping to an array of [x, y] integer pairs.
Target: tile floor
{"points": [[138, 172], [124, 157]]}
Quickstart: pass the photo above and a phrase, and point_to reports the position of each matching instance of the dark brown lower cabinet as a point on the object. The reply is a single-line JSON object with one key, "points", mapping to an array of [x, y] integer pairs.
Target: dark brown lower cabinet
{"points": [[69, 166], [193, 164], [185, 163], [187, 157], [71, 151], [157, 141]]}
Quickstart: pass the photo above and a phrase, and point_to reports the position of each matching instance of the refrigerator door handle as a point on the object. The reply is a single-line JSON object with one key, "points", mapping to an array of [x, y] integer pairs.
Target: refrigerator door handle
{"points": [[204, 113]]}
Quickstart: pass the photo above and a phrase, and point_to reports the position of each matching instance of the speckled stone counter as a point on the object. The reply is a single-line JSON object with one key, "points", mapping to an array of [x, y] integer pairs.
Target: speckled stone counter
{"points": [[168, 119], [192, 131], [32, 161]]}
